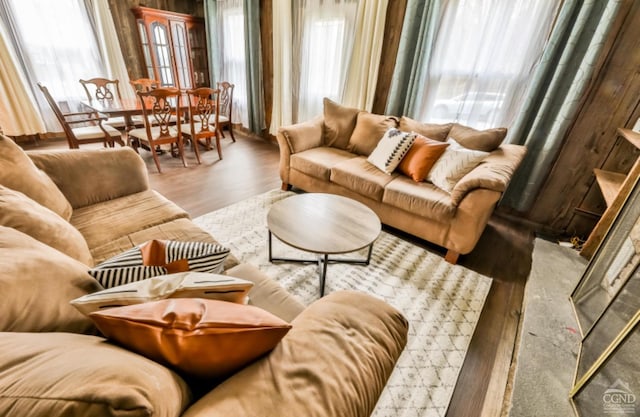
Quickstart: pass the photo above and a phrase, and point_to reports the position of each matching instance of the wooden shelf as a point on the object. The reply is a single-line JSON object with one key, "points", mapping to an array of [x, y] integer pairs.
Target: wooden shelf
{"points": [[615, 189], [610, 183], [630, 135]]}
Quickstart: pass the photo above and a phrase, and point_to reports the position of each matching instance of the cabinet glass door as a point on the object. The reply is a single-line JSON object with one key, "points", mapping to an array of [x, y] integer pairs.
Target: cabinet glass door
{"points": [[198, 46], [181, 54], [146, 49], [160, 41]]}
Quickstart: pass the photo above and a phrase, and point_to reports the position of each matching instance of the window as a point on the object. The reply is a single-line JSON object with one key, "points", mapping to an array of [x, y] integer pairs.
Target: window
{"points": [[484, 52], [54, 53], [325, 35]]}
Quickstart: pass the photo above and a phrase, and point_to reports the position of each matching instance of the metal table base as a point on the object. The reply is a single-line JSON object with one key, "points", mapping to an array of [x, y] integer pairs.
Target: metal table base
{"points": [[322, 260]]}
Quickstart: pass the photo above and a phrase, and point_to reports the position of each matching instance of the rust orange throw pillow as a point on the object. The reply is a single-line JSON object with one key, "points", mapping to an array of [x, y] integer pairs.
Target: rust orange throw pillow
{"points": [[202, 338], [421, 156]]}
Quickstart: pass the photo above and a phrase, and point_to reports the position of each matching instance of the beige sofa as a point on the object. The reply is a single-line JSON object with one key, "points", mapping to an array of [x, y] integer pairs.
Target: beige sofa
{"points": [[76, 208], [329, 154]]}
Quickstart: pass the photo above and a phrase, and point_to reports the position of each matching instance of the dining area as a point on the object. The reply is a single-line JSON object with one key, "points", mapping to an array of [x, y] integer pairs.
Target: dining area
{"points": [[162, 120]]}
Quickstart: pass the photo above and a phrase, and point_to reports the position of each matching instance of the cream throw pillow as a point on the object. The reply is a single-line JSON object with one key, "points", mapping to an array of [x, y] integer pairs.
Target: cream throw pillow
{"points": [[456, 162], [393, 146], [180, 285]]}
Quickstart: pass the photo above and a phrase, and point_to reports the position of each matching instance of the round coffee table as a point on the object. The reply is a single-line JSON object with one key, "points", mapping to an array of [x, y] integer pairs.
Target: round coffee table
{"points": [[325, 224]]}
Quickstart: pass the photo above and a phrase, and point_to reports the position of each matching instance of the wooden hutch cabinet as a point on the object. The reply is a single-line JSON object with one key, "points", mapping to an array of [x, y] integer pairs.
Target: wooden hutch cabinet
{"points": [[174, 47]]}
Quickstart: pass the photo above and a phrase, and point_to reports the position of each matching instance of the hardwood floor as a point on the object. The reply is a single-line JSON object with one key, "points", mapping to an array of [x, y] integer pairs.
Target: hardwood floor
{"points": [[250, 167]]}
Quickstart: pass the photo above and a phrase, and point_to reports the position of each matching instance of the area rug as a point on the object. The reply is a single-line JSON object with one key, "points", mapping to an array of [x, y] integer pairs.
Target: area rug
{"points": [[441, 301]]}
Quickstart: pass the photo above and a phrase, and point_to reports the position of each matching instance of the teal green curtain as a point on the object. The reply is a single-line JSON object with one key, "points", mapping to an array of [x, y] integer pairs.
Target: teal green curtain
{"points": [[253, 55], [213, 41], [253, 49], [554, 96], [422, 20]]}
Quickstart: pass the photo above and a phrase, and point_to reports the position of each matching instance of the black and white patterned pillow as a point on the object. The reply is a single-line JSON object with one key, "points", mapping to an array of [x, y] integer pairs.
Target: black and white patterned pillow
{"points": [[393, 146], [201, 256], [128, 266]]}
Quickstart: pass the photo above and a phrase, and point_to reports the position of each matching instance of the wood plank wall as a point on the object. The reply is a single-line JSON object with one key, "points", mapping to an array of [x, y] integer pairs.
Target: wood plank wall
{"points": [[613, 101]]}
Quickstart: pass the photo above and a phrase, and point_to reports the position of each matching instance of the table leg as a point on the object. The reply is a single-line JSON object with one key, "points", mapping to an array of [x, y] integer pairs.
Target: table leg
{"points": [[322, 264], [269, 245]]}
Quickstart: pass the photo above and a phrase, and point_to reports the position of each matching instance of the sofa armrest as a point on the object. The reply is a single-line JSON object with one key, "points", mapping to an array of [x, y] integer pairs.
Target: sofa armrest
{"points": [[298, 138], [494, 173], [335, 361], [90, 176]]}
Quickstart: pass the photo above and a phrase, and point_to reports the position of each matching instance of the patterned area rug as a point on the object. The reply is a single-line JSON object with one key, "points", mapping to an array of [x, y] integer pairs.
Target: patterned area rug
{"points": [[441, 301]]}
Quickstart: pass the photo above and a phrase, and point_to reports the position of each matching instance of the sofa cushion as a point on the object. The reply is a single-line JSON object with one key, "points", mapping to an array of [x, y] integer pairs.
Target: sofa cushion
{"points": [[180, 285], [369, 130], [479, 140], [421, 157], [431, 130], [391, 149], [339, 122], [359, 176], [456, 162], [63, 374], [107, 221], [37, 282], [179, 331], [20, 212], [420, 198], [317, 162], [335, 361], [19, 173]]}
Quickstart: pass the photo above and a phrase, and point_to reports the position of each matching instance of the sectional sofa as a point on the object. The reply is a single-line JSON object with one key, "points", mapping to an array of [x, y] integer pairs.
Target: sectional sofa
{"points": [[63, 212], [329, 154]]}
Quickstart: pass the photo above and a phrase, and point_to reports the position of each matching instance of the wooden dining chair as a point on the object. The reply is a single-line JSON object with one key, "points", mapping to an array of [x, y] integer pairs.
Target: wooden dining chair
{"points": [[105, 89], [226, 107], [144, 84], [204, 103], [158, 107], [96, 132]]}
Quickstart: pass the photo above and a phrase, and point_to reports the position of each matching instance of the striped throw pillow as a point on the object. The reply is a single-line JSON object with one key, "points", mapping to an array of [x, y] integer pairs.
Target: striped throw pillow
{"points": [[201, 256], [131, 265]]}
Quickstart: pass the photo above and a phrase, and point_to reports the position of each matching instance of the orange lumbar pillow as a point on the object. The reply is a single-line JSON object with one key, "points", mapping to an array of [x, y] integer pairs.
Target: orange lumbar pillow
{"points": [[202, 338], [421, 157]]}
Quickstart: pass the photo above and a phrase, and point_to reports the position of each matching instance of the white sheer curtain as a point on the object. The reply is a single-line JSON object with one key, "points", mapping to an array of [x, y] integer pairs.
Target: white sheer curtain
{"points": [[323, 33], [365, 61], [18, 113], [109, 45], [231, 47], [485, 52], [282, 113]]}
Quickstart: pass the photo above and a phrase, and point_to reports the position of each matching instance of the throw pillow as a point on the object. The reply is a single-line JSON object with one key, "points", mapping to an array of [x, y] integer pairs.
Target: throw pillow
{"points": [[160, 257], [479, 140], [431, 130], [180, 285], [36, 284], [22, 213], [75, 375], [421, 157], [391, 149], [456, 162], [369, 131], [19, 173], [339, 122], [203, 338]]}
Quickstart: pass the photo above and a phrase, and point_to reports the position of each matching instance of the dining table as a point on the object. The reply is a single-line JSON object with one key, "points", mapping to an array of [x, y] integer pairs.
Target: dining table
{"points": [[128, 108]]}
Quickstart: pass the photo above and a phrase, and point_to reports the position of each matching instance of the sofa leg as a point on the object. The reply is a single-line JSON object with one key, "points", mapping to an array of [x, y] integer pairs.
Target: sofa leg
{"points": [[451, 257], [285, 187]]}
